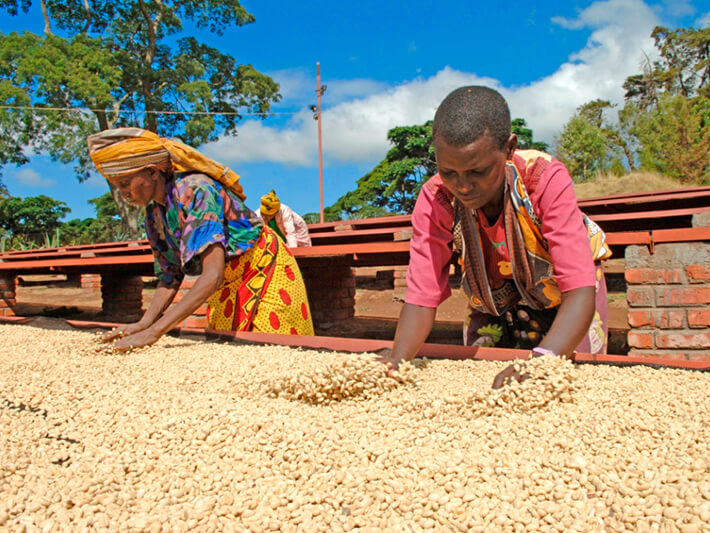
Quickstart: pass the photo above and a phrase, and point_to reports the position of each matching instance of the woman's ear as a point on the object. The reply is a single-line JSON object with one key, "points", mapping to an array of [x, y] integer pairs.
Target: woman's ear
{"points": [[511, 145]]}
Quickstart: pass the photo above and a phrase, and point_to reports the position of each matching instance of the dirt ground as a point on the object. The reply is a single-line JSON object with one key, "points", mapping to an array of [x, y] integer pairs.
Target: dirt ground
{"points": [[376, 310]]}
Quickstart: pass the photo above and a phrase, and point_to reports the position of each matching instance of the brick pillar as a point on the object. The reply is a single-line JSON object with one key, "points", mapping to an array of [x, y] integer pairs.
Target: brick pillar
{"points": [[331, 293], [198, 318], [122, 297], [669, 300], [7, 294], [91, 281], [74, 280], [400, 283]]}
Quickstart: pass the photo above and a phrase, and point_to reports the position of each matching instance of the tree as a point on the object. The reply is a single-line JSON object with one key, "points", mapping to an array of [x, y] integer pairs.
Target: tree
{"points": [[683, 68], [409, 163], [115, 68], [525, 136], [31, 217], [616, 142], [675, 138], [582, 148]]}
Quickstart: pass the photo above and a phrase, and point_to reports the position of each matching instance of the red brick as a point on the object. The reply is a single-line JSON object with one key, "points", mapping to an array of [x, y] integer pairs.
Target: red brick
{"points": [[7, 295], [683, 340], [339, 293], [178, 296], [200, 311], [640, 296], [683, 296], [639, 317], [698, 273], [655, 354], [193, 322], [659, 318], [187, 283], [640, 340], [9, 302], [7, 283], [6, 311], [341, 314], [650, 275], [698, 318], [667, 319], [699, 356], [345, 303]]}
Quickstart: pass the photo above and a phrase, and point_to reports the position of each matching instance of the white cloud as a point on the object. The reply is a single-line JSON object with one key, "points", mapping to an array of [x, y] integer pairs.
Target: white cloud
{"points": [[360, 112], [32, 178], [703, 21]]}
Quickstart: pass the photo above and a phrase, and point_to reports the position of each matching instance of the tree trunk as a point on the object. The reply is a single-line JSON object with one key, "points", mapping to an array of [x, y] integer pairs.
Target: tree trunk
{"points": [[629, 157], [129, 215], [45, 14]]}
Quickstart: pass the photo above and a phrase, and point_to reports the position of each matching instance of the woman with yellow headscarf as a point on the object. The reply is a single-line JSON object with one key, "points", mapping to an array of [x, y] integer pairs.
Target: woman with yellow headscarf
{"points": [[197, 224], [287, 224]]}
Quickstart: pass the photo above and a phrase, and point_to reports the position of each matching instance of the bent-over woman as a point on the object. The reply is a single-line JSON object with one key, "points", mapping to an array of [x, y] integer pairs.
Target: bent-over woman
{"points": [[198, 225]]}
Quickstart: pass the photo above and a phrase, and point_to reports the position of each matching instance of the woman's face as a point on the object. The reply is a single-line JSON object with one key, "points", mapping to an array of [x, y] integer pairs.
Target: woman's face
{"points": [[142, 187], [474, 173]]}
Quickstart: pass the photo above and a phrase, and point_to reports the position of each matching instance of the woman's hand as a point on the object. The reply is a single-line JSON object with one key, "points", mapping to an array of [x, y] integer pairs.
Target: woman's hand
{"points": [[391, 362], [508, 374], [142, 338], [123, 331]]}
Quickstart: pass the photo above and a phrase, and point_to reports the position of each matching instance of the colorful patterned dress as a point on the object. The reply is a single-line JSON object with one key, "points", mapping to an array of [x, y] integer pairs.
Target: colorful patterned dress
{"points": [[262, 289]]}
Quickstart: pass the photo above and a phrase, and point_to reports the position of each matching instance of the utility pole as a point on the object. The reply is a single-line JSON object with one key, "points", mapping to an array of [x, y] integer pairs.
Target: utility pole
{"points": [[320, 90]]}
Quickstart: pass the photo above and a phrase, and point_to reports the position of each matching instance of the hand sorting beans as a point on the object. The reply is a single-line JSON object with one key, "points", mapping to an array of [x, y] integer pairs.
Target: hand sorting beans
{"points": [[196, 436]]}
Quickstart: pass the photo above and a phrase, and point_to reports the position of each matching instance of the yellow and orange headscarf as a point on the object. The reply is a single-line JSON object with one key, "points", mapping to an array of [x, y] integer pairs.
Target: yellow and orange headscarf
{"points": [[123, 151], [270, 204]]}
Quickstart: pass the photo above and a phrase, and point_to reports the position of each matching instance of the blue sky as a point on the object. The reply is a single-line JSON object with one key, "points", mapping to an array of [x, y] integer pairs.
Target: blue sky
{"points": [[389, 64]]}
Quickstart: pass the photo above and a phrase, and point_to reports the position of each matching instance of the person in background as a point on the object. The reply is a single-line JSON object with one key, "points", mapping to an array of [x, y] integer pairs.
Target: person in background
{"points": [[198, 225], [530, 258], [284, 221]]}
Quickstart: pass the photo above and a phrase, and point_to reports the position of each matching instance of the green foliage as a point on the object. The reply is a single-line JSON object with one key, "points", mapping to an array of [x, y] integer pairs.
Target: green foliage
{"points": [[664, 125], [118, 59], [582, 148], [106, 227], [105, 207], [683, 68], [675, 138], [525, 136], [32, 216], [494, 332]]}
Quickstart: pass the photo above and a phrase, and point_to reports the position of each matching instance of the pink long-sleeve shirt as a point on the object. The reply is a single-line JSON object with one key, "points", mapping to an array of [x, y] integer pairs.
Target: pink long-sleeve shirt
{"points": [[553, 200]]}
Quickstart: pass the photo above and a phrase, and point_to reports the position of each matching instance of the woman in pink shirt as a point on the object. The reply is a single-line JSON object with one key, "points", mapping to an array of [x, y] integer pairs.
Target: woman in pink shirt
{"points": [[530, 258]]}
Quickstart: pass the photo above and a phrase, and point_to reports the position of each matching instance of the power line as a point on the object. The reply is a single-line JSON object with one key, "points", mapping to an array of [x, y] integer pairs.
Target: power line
{"points": [[125, 111]]}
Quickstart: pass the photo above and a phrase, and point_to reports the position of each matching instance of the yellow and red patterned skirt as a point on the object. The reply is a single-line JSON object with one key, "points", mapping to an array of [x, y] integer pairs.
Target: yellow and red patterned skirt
{"points": [[262, 291]]}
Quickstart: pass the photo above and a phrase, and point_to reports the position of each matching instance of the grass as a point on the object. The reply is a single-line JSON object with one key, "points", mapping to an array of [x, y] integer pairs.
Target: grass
{"points": [[608, 184], [616, 296]]}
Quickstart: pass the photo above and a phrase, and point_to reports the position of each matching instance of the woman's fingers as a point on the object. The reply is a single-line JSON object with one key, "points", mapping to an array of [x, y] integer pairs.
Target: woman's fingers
{"points": [[115, 333]]}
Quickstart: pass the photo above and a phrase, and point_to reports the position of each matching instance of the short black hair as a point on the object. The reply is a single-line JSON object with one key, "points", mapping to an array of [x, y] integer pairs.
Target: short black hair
{"points": [[469, 113]]}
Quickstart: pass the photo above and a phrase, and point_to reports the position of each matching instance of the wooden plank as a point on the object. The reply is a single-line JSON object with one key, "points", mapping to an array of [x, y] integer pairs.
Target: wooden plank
{"points": [[642, 215], [646, 196], [112, 261], [430, 350], [345, 249]]}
